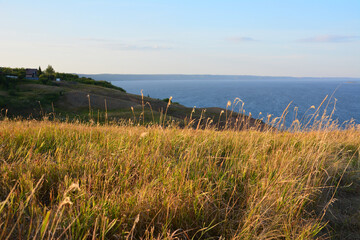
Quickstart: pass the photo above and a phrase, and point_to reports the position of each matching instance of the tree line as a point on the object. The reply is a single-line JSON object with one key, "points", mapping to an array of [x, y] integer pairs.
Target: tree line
{"points": [[10, 77]]}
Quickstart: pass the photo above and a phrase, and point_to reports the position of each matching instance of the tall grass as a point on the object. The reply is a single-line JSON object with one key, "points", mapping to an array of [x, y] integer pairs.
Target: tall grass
{"points": [[73, 180], [81, 181]]}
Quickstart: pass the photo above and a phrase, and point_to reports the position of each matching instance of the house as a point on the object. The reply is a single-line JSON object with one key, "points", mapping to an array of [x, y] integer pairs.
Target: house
{"points": [[31, 74]]}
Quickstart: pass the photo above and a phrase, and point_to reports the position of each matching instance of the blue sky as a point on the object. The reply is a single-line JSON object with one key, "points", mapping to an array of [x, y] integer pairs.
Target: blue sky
{"points": [[276, 38]]}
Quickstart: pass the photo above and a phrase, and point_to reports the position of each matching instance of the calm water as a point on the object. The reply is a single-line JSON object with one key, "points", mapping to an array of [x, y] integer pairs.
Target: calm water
{"points": [[267, 97]]}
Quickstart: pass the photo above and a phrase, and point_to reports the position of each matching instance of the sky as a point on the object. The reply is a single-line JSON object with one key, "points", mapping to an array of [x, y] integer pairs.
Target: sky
{"points": [[300, 38]]}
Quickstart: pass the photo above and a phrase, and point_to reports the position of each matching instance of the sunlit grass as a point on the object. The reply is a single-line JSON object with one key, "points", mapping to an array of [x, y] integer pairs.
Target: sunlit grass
{"points": [[147, 178], [81, 181]]}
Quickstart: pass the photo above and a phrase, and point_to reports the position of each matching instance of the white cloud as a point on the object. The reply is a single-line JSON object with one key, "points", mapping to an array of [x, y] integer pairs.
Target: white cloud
{"points": [[122, 46]]}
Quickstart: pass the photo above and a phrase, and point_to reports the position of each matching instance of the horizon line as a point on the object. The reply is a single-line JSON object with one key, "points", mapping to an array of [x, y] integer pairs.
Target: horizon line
{"points": [[200, 74]]}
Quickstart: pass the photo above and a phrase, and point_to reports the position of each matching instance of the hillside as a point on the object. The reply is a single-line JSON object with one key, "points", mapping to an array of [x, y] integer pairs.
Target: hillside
{"points": [[75, 100], [83, 181]]}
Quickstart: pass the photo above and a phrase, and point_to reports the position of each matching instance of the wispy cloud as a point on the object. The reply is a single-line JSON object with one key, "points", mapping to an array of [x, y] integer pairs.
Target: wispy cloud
{"points": [[330, 39], [241, 39], [121, 45]]}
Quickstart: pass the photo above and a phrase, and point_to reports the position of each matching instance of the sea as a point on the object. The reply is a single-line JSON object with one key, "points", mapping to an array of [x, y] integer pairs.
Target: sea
{"points": [[260, 96]]}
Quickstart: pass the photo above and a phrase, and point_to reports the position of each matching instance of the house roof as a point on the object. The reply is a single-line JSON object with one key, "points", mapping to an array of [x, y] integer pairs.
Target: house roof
{"points": [[30, 71]]}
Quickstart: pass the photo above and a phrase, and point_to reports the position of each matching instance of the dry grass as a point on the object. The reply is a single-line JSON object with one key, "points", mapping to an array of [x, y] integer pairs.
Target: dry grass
{"points": [[81, 181]]}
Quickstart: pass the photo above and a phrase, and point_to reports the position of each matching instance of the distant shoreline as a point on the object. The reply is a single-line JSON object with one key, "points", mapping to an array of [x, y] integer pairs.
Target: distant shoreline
{"points": [[171, 77]]}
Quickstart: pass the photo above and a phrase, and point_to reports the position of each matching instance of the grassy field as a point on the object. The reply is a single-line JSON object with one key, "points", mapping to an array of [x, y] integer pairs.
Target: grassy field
{"points": [[82, 181], [77, 102]]}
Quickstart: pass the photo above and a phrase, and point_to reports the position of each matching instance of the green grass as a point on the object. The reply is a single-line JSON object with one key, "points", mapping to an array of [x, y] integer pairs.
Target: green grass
{"points": [[82, 181]]}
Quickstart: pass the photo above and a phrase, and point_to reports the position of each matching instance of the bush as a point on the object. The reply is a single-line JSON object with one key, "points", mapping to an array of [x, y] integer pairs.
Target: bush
{"points": [[44, 79], [167, 100]]}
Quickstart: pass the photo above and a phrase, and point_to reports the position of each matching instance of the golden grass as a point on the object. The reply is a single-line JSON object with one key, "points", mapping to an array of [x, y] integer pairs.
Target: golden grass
{"points": [[81, 181]]}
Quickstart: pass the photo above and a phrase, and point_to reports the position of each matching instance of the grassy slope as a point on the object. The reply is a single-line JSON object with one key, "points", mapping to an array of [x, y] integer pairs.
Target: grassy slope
{"points": [[71, 100], [79, 181]]}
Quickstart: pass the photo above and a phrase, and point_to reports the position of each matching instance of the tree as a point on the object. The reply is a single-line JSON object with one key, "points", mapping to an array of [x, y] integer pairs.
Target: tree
{"points": [[49, 73], [39, 71], [21, 73], [50, 70]]}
